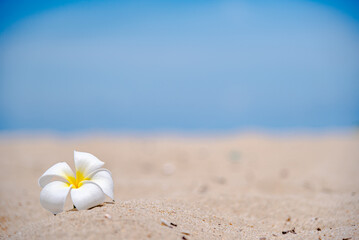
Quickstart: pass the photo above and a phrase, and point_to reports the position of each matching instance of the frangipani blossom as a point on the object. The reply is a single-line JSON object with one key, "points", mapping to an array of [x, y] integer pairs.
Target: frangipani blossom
{"points": [[87, 188]]}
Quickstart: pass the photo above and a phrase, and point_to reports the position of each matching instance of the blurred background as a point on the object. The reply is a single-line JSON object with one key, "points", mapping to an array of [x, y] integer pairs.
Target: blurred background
{"points": [[188, 66]]}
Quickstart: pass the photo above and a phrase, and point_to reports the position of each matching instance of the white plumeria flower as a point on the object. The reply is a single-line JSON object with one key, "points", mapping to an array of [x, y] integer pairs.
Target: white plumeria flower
{"points": [[88, 187]]}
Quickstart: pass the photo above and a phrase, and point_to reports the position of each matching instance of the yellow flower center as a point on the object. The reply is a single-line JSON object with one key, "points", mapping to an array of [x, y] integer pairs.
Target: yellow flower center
{"points": [[76, 181]]}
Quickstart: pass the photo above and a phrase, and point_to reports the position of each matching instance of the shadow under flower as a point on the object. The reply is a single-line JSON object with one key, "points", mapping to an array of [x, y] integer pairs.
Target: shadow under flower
{"points": [[100, 205]]}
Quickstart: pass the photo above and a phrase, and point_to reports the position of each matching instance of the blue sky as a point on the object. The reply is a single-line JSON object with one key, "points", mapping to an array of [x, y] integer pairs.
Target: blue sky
{"points": [[182, 66]]}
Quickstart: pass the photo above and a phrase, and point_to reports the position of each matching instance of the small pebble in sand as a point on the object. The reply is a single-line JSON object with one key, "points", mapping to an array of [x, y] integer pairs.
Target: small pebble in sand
{"points": [[108, 216], [165, 223], [168, 169], [185, 232], [202, 188], [234, 156], [220, 180], [284, 173], [289, 231]]}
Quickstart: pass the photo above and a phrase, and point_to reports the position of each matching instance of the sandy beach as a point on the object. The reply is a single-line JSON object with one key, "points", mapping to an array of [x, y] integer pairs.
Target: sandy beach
{"points": [[247, 186]]}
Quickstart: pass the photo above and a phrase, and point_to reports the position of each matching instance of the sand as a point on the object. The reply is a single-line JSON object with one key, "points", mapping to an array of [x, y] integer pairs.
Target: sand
{"points": [[248, 186]]}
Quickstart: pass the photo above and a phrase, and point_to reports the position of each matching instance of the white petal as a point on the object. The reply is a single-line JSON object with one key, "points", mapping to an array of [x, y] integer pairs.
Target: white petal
{"points": [[104, 180], [60, 169], [87, 196], [86, 163], [53, 196]]}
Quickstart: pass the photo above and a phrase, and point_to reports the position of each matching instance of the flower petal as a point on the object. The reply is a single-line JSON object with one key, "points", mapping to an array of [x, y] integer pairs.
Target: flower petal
{"points": [[86, 163], [104, 180], [87, 196], [60, 169], [53, 196]]}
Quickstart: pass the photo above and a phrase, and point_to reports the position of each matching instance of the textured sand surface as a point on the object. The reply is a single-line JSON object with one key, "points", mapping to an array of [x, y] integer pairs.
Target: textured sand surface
{"points": [[226, 187]]}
